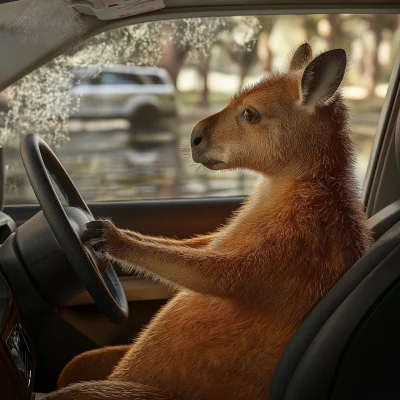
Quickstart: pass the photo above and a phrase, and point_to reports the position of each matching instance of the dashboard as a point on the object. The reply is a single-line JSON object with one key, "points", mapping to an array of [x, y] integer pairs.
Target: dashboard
{"points": [[17, 361], [16, 353]]}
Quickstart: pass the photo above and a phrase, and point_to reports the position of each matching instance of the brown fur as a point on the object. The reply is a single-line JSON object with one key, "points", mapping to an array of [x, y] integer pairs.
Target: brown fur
{"points": [[108, 390], [94, 365], [246, 288]]}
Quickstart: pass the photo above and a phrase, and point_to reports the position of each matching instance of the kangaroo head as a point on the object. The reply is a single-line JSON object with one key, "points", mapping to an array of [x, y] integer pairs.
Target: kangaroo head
{"points": [[284, 124]]}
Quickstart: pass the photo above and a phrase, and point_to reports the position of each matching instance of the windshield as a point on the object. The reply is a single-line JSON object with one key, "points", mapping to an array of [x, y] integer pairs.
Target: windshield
{"points": [[120, 107]]}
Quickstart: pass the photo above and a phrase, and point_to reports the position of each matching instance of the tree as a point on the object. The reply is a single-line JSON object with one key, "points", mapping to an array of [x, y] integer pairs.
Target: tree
{"points": [[245, 60], [371, 67], [191, 41], [241, 44], [263, 51], [173, 52]]}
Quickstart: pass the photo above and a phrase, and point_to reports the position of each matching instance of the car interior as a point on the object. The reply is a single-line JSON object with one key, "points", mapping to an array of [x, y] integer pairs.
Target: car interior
{"points": [[57, 300]]}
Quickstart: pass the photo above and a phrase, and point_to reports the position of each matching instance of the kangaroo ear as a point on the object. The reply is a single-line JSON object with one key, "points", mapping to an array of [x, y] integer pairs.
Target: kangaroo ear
{"points": [[301, 57], [322, 77]]}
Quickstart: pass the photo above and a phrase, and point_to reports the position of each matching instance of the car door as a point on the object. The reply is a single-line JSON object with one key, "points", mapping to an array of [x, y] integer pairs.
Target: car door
{"points": [[177, 198]]}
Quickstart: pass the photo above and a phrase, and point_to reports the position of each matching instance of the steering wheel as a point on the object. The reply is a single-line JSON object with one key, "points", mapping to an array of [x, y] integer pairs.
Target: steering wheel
{"points": [[40, 163]]}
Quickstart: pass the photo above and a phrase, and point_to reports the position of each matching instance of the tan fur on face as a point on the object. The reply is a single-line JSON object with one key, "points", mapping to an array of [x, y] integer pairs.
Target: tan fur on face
{"points": [[290, 139], [258, 146], [246, 288]]}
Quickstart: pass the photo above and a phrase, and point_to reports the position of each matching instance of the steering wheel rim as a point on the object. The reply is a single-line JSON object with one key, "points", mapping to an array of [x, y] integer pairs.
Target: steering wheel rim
{"points": [[39, 160]]}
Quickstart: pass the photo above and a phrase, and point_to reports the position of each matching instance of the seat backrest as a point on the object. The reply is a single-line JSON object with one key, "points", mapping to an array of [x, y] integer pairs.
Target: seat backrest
{"points": [[331, 354]]}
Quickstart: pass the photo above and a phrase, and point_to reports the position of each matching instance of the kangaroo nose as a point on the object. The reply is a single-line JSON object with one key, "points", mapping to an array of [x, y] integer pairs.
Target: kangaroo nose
{"points": [[197, 136], [197, 140]]}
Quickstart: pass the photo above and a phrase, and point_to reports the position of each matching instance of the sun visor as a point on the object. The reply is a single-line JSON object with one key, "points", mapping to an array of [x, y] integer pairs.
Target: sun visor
{"points": [[115, 9]]}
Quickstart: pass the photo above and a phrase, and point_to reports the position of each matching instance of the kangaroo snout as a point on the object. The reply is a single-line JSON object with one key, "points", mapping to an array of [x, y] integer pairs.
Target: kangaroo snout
{"points": [[205, 148], [198, 143]]}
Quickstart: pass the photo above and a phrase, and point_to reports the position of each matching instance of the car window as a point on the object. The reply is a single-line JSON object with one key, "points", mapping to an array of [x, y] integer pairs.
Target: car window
{"points": [[114, 78], [133, 142], [154, 79]]}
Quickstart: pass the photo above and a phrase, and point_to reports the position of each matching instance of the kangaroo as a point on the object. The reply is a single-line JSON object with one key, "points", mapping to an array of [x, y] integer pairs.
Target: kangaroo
{"points": [[246, 288]]}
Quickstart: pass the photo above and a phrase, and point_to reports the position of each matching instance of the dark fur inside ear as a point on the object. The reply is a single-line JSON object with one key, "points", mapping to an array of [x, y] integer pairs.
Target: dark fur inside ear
{"points": [[323, 76], [301, 57]]}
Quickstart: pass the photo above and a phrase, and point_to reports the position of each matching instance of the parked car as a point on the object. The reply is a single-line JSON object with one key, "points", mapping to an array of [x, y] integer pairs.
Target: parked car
{"points": [[145, 96]]}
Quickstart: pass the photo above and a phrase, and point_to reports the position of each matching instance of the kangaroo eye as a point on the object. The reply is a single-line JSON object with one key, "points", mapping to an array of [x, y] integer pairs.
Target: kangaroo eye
{"points": [[251, 115]]}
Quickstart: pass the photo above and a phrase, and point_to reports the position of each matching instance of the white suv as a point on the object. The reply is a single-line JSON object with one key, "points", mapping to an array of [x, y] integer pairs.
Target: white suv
{"points": [[145, 96]]}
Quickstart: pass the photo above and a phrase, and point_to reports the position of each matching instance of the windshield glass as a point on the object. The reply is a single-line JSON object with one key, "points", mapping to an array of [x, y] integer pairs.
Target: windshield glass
{"points": [[119, 108]]}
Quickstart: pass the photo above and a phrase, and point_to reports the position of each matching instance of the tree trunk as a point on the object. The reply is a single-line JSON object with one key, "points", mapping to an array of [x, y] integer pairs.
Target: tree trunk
{"points": [[264, 53], [204, 69], [334, 21], [370, 60], [172, 57]]}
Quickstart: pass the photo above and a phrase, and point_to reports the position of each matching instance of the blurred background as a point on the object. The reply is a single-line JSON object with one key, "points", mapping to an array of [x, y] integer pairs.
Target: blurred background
{"points": [[119, 109]]}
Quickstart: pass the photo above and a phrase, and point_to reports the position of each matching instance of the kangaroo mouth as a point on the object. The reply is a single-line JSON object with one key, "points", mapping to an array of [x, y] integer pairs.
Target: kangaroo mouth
{"points": [[214, 164], [207, 161]]}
